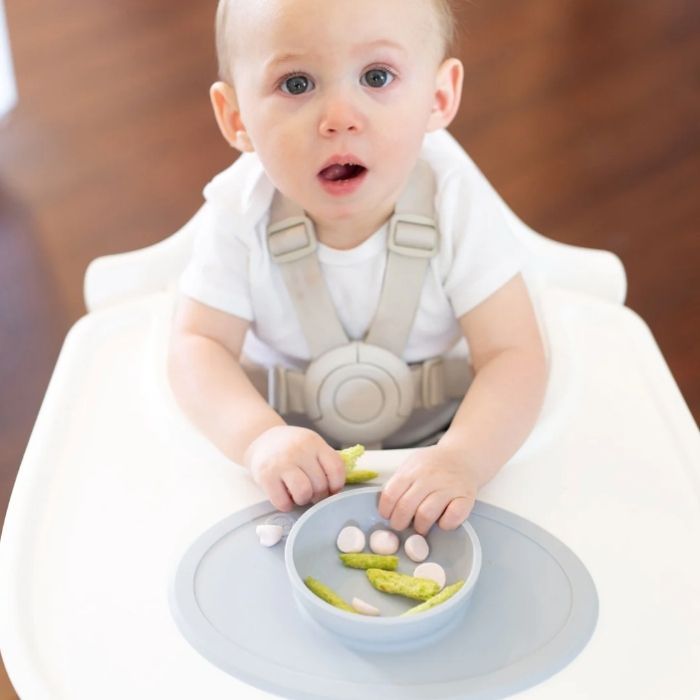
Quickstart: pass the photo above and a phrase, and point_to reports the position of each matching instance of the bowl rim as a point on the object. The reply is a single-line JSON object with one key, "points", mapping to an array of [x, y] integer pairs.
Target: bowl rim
{"points": [[395, 620]]}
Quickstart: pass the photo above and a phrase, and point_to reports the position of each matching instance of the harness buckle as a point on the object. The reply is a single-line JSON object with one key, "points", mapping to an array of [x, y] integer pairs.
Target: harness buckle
{"points": [[291, 239], [413, 235], [358, 392]]}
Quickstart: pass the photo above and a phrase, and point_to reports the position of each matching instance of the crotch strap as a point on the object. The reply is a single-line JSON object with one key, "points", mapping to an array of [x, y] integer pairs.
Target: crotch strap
{"points": [[355, 391]]}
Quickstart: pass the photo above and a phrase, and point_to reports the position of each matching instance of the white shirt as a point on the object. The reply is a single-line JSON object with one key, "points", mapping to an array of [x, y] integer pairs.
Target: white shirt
{"points": [[231, 268]]}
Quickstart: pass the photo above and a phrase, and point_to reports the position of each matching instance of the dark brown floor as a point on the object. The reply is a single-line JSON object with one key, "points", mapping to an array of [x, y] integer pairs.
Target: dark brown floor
{"points": [[585, 114]]}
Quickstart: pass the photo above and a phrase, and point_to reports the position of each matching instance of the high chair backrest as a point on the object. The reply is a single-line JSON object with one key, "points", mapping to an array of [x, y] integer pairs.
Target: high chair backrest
{"points": [[115, 278]]}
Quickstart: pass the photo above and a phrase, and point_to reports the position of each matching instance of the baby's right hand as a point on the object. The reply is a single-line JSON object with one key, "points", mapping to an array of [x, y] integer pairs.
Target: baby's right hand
{"points": [[294, 466]]}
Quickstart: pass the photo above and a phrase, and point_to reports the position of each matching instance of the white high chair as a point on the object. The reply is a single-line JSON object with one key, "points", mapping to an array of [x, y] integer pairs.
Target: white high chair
{"points": [[115, 484]]}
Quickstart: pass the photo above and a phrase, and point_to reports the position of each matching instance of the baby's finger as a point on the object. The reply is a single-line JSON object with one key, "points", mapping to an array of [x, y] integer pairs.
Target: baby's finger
{"points": [[277, 493], [407, 505], [456, 513], [392, 492], [317, 477], [333, 467], [430, 509], [298, 485]]}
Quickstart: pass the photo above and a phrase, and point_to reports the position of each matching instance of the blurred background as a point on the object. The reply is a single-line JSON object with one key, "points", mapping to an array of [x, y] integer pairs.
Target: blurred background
{"points": [[585, 115]]}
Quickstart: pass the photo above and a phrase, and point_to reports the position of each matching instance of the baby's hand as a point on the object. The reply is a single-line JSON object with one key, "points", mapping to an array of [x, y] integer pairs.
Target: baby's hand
{"points": [[294, 465], [433, 485]]}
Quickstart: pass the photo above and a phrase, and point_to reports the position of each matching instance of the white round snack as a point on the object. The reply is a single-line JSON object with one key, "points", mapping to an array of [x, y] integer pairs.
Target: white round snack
{"points": [[364, 608], [432, 571], [384, 542], [269, 535], [417, 548], [351, 539]]}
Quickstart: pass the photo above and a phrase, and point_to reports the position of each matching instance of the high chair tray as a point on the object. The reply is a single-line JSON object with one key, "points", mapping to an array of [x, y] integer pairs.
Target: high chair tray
{"points": [[116, 484], [534, 609]]}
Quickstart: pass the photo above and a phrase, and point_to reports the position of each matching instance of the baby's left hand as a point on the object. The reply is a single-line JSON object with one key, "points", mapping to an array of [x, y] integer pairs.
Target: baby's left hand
{"points": [[433, 485]]}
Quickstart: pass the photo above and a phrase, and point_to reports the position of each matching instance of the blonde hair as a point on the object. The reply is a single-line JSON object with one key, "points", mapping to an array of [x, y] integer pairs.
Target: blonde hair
{"points": [[443, 8], [448, 24]]}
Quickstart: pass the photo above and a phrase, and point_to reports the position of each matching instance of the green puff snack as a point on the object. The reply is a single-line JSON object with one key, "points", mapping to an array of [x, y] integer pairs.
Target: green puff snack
{"points": [[441, 597], [325, 593], [360, 560], [350, 455], [402, 584], [359, 476]]}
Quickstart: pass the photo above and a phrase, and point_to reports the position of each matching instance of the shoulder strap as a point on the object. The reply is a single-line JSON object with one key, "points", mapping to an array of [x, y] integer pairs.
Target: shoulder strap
{"points": [[292, 244], [413, 240]]}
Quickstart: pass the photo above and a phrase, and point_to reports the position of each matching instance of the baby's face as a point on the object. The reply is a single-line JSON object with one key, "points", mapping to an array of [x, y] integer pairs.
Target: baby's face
{"points": [[323, 85]]}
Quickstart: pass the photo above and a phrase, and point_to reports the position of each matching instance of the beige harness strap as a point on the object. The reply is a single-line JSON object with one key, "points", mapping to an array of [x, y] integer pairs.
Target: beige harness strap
{"points": [[292, 245], [435, 382], [413, 240]]}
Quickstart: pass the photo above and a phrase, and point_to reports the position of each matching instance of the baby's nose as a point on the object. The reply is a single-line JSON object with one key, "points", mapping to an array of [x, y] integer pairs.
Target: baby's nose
{"points": [[339, 115]]}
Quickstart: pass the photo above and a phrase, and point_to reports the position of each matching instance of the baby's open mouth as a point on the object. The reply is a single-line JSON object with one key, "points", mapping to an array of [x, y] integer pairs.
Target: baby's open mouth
{"points": [[341, 171]]}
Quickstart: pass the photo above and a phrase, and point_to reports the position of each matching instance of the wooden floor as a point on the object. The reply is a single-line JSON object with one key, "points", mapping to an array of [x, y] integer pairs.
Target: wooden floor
{"points": [[585, 114]]}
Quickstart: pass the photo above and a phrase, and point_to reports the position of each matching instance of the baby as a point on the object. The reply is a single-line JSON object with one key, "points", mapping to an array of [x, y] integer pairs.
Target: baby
{"points": [[333, 104]]}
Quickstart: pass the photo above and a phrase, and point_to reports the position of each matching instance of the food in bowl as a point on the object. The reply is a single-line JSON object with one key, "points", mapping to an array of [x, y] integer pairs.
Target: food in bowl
{"points": [[311, 551]]}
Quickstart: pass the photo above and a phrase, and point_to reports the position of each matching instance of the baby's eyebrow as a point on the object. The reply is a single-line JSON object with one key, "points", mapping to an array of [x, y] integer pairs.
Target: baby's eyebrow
{"points": [[292, 56]]}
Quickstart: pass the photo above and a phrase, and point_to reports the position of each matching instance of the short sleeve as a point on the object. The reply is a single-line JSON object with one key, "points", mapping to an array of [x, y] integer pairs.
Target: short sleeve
{"points": [[237, 202], [481, 252], [217, 273]]}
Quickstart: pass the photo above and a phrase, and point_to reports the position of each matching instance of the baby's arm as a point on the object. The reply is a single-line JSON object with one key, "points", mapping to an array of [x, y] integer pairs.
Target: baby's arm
{"points": [[292, 465], [440, 483]]}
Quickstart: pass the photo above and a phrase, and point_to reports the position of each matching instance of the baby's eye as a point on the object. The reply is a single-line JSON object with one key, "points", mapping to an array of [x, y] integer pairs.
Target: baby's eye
{"points": [[296, 85], [377, 77]]}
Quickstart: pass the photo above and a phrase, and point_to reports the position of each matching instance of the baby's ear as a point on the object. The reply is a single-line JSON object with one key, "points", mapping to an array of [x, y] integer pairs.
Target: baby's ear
{"points": [[228, 117], [448, 94]]}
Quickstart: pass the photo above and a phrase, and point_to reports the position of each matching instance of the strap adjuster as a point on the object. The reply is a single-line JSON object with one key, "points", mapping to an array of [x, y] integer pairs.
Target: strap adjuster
{"points": [[291, 239], [413, 235]]}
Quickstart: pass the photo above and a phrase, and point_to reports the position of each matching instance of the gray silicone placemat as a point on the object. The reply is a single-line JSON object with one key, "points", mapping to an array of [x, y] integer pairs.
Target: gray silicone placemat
{"points": [[534, 608]]}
